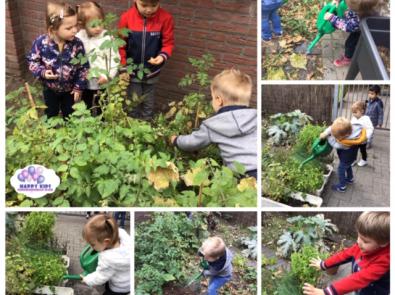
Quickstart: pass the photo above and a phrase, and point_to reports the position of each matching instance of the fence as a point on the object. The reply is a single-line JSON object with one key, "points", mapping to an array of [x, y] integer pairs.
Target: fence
{"points": [[314, 100], [346, 95]]}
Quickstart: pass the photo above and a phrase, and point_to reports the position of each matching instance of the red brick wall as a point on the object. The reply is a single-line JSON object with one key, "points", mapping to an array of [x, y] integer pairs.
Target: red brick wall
{"points": [[225, 28]]}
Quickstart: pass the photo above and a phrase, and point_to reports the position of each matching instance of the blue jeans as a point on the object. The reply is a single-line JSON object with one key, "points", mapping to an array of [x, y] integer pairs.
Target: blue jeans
{"points": [[216, 283], [121, 216], [269, 14], [345, 172]]}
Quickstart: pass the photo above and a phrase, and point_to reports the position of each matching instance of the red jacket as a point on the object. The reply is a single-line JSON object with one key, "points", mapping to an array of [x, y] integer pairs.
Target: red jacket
{"points": [[370, 272], [149, 37]]}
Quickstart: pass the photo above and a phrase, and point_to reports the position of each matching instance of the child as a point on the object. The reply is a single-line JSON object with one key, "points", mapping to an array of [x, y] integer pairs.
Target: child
{"points": [[357, 9], [114, 246], [374, 108], [345, 138], [233, 127], [50, 61], [219, 259], [151, 43], [105, 61], [271, 18], [370, 258], [358, 110]]}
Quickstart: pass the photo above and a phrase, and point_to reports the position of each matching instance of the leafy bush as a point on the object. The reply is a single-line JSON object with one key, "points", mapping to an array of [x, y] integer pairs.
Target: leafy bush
{"points": [[38, 228], [307, 136], [162, 249], [300, 265], [251, 243], [305, 231]]}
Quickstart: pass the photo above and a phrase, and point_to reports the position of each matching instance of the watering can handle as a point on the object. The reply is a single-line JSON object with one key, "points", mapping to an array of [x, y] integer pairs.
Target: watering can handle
{"points": [[72, 277]]}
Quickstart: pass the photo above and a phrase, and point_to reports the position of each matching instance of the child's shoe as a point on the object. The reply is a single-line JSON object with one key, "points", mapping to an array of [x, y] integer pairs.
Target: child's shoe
{"points": [[278, 35], [342, 61], [350, 181], [362, 163], [338, 188]]}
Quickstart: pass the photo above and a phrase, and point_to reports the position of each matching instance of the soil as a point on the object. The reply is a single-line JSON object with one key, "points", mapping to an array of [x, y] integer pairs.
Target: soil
{"points": [[174, 289]]}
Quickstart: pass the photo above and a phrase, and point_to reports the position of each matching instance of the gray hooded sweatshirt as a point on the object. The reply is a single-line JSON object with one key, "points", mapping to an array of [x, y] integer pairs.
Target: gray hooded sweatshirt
{"points": [[226, 270], [235, 132], [355, 133]]}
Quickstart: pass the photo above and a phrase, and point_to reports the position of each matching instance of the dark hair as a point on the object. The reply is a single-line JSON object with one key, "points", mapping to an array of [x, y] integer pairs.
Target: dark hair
{"points": [[101, 227], [375, 88], [56, 12]]}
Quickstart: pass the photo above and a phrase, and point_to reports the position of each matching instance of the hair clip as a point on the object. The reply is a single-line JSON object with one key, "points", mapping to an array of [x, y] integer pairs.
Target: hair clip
{"points": [[61, 14]]}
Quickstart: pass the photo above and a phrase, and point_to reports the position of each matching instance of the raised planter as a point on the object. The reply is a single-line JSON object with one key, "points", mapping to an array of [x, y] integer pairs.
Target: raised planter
{"points": [[54, 291], [313, 200]]}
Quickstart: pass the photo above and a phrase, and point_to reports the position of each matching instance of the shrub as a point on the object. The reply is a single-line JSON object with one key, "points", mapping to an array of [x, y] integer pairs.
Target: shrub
{"points": [[38, 228]]}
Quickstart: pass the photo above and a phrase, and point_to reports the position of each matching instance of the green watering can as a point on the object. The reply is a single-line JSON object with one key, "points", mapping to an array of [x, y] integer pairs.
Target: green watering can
{"points": [[324, 26], [320, 147], [203, 264], [88, 260]]}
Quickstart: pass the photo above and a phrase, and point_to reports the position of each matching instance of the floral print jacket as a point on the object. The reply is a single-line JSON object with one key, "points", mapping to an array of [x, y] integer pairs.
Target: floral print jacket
{"points": [[45, 55], [349, 24]]}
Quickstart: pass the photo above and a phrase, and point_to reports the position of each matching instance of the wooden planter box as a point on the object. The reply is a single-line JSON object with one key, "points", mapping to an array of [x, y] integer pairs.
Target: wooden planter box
{"points": [[313, 200]]}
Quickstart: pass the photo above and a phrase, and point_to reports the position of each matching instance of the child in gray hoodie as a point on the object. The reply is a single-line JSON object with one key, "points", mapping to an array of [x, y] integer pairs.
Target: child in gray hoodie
{"points": [[233, 127], [219, 259]]}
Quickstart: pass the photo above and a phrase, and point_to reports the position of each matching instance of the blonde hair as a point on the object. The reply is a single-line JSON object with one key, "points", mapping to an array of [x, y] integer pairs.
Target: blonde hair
{"points": [[363, 7], [101, 227], [56, 12], [89, 11], [213, 247], [341, 128], [358, 106], [233, 86], [374, 225]]}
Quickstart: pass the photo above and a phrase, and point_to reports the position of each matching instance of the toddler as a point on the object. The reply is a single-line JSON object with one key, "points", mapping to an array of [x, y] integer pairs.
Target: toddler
{"points": [[358, 110], [357, 9], [370, 258], [150, 43], [50, 61], [345, 138], [233, 127], [103, 61], [270, 18], [219, 259], [114, 246]]}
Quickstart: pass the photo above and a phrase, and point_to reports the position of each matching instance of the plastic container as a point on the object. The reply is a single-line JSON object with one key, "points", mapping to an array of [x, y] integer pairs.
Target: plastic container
{"points": [[375, 32]]}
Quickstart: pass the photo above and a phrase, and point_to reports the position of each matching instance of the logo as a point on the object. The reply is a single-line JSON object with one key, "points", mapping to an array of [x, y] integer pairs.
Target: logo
{"points": [[35, 181]]}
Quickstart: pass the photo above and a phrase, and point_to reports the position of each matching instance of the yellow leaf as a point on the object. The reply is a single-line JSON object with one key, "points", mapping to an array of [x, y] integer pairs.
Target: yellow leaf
{"points": [[276, 74], [298, 61], [297, 39], [33, 114], [161, 202], [247, 183], [161, 177], [171, 113], [190, 176], [283, 43]]}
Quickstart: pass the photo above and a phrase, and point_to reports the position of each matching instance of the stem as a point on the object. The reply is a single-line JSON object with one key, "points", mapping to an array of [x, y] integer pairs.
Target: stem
{"points": [[29, 95], [200, 195], [197, 115]]}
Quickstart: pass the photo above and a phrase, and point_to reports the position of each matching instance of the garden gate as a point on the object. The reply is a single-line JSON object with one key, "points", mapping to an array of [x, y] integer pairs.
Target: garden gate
{"points": [[345, 95]]}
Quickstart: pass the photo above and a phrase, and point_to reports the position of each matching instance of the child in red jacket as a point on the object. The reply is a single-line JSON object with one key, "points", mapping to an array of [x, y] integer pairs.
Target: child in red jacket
{"points": [[150, 43], [370, 258]]}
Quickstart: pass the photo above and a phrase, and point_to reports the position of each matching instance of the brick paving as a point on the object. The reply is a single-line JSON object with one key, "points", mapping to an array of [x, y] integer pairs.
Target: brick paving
{"points": [[372, 182]]}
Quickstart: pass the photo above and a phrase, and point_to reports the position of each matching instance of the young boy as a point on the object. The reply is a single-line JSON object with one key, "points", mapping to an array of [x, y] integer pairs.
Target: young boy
{"points": [[345, 138], [151, 43], [374, 108], [370, 258], [358, 110], [219, 259], [233, 127], [270, 17]]}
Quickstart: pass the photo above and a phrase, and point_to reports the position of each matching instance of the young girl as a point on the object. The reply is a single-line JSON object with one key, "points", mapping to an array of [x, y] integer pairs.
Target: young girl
{"points": [[106, 61], [50, 60], [271, 18], [357, 9], [114, 246], [359, 117]]}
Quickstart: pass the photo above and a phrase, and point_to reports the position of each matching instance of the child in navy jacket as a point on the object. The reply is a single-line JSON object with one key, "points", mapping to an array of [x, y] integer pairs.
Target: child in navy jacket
{"points": [[50, 61], [150, 42], [370, 258]]}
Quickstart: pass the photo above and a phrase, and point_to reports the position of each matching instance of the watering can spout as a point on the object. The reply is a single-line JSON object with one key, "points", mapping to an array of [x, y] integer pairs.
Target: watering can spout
{"points": [[88, 260], [320, 147]]}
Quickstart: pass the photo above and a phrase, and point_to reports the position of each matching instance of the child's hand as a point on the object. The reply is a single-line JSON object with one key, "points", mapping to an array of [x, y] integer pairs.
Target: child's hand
{"points": [[328, 15], [311, 290], [316, 263], [49, 75], [102, 80], [173, 138], [156, 60], [77, 95]]}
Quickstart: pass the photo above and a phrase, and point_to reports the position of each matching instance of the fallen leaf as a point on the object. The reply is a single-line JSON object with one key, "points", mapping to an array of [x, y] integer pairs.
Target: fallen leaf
{"points": [[298, 61], [276, 74]]}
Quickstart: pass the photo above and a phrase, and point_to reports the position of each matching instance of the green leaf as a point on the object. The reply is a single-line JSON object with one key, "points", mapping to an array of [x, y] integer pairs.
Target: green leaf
{"points": [[107, 187], [63, 168], [74, 173]]}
